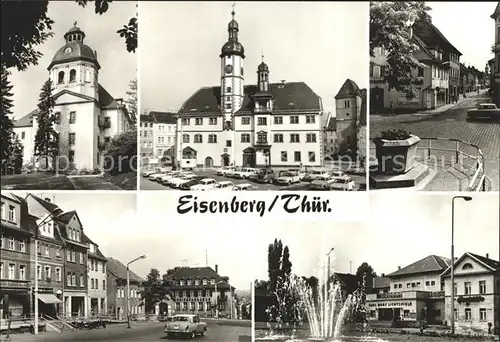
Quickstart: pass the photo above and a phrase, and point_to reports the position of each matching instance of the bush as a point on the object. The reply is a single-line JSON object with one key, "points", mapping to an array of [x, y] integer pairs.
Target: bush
{"points": [[121, 154], [395, 134]]}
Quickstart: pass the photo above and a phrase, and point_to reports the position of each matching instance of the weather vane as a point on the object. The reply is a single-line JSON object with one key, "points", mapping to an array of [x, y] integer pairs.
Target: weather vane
{"points": [[234, 4], [262, 55], [74, 24]]}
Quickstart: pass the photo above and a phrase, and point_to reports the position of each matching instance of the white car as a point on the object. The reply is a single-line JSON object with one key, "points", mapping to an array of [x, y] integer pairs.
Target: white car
{"points": [[301, 172], [177, 181], [315, 174], [342, 183], [287, 178], [147, 173], [223, 170], [224, 185], [232, 172], [245, 173], [338, 174], [157, 176], [165, 177], [205, 184], [243, 187]]}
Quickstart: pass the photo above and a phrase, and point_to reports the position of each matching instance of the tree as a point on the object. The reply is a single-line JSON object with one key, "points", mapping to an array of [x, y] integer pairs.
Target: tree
{"points": [[5, 121], [274, 253], [20, 38], [15, 161], [390, 28], [46, 138], [155, 289], [365, 270], [121, 153], [132, 101]]}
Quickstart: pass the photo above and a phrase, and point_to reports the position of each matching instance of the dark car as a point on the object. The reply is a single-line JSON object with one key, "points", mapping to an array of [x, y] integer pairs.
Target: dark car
{"points": [[190, 183], [265, 175]]}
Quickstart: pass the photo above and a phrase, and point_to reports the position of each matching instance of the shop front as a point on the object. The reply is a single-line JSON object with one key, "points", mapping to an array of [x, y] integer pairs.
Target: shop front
{"points": [[49, 302], [14, 301]]}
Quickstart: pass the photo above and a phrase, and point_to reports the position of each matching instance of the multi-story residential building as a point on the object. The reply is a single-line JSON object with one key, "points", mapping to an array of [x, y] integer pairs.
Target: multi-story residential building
{"points": [[477, 291], [268, 124], [15, 273], [349, 103], [87, 116], [97, 279], [117, 291], [496, 65], [203, 291], [434, 39], [427, 88], [164, 133], [146, 134], [416, 294], [330, 138], [50, 254], [491, 73]]}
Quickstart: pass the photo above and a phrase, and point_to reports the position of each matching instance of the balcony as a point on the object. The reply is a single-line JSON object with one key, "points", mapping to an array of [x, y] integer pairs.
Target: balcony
{"points": [[262, 110], [437, 294], [390, 295], [104, 122]]}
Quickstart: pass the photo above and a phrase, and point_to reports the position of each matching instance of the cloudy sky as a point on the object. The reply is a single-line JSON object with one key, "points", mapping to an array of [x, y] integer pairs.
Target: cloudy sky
{"points": [[321, 44], [468, 26], [118, 66]]}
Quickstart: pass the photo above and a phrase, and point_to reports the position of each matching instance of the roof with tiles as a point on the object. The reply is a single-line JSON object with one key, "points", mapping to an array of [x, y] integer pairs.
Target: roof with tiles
{"points": [[432, 263], [146, 118], [381, 282], [432, 37], [348, 89], [119, 270], [493, 265], [98, 254], [286, 96], [199, 273], [163, 117]]}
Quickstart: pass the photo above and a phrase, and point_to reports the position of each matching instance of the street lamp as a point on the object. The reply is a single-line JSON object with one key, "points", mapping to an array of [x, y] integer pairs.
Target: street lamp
{"points": [[465, 198], [128, 289], [45, 220]]}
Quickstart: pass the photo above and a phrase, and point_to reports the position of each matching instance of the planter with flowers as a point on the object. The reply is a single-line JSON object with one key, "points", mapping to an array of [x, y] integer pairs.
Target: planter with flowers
{"points": [[396, 151]]}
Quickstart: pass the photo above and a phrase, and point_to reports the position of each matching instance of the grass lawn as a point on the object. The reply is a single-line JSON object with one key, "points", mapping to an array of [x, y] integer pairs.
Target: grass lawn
{"points": [[36, 181], [124, 181]]}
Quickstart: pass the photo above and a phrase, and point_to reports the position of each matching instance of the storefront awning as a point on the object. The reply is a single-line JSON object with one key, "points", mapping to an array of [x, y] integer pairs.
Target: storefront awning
{"points": [[49, 298]]}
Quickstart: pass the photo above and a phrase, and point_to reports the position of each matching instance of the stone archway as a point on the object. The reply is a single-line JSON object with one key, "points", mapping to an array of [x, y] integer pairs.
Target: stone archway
{"points": [[249, 159], [225, 159], [209, 162]]}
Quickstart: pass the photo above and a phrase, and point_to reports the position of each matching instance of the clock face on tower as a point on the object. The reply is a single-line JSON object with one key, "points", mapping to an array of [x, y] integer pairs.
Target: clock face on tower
{"points": [[228, 69], [68, 50]]}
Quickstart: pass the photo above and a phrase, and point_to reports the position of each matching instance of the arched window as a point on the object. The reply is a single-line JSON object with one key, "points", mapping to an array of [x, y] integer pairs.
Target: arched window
{"points": [[185, 138], [198, 138], [467, 266], [60, 77], [72, 75]]}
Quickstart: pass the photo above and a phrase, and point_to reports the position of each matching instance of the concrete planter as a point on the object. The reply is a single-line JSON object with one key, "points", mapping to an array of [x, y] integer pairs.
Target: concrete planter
{"points": [[396, 156]]}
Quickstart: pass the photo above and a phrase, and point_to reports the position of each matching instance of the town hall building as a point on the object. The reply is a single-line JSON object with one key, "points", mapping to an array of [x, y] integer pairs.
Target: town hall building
{"points": [[87, 116], [267, 124]]}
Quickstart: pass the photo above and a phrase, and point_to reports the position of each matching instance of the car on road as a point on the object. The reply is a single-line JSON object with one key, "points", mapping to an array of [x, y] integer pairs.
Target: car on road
{"points": [[185, 325], [301, 172], [322, 182], [224, 170], [233, 171], [177, 176], [245, 173], [342, 183], [338, 174], [147, 173], [176, 182], [243, 187], [204, 184], [157, 176], [314, 174], [484, 110], [163, 179], [265, 175], [287, 178], [192, 182], [223, 185]]}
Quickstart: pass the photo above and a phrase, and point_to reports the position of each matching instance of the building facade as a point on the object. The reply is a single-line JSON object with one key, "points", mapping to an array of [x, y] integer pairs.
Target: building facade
{"points": [[164, 135], [203, 291], [116, 275], [87, 116], [267, 124], [330, 138], [146, 134], [496, 65], [97, 279]]}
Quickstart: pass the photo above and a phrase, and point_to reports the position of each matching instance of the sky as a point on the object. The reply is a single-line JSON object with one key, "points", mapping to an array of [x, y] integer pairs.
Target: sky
{"points": [[468, 26], [118, 66], [320, 43]]}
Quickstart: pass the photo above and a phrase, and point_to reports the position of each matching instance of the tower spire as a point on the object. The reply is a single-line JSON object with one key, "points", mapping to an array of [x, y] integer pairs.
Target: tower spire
{"points": [[233, 13], [262, 56]]}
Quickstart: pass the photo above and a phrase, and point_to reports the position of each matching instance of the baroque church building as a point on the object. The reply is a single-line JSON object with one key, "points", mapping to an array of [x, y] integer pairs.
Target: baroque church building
{"points": [[87, 116], [267, 124]]}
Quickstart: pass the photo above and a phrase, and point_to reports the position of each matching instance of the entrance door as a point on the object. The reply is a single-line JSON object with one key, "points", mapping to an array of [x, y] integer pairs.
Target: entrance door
{"points": [[429, 99], [249, 157], [225, 160], [209, 162]]}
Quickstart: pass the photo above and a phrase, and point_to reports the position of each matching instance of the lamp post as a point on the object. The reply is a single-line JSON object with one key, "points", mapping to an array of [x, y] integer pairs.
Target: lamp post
{"points": [[465, 198], [128, 289], [35, 290]]}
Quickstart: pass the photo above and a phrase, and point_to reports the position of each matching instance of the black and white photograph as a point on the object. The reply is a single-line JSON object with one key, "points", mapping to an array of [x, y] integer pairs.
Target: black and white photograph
{"points": [[69, 95], [434, 117], [253, 96], [383, 281]]}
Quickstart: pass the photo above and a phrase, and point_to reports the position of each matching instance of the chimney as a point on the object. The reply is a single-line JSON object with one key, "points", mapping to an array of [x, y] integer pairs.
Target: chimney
{"points": [[47, 199], [399, 267], [487, 256], [217, 269]]}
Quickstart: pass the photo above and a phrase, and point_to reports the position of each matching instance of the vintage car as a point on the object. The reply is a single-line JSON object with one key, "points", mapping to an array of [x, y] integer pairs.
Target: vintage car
{"points": [[204, 184], [177, 181], [192, 182], [265, 175], [338, 174], [342, 183], [300, 171], [322, 182], [231, 173], [157, 176], [147, 173], [223, 185], [287, 178], [245, 173], [185, 325], [484, 110], [243, 187], [314, 174], [224, 170], [163, 179]]}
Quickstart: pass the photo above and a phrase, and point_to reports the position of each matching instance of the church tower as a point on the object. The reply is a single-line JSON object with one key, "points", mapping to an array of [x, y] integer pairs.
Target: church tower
{"points": [[232, 80], [75, 66]]}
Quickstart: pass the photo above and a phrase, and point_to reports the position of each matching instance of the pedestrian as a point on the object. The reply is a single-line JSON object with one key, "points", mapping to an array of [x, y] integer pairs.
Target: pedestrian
{"points": [[392, 109]]}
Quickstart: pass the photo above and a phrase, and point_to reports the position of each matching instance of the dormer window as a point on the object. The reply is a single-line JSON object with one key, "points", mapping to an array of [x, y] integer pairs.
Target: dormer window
{"points": [[189, 282], [181, 282], [197, 282], [205, 282], [212, 281]]}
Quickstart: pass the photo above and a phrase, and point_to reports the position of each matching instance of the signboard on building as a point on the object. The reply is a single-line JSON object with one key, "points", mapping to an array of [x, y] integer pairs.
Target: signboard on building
{"points": [[390, 305], [410, 95]]}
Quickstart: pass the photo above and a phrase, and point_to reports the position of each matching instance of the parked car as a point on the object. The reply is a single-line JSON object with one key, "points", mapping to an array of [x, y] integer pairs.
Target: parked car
{"points": [[224, 185], [343, 183], [204, 184], [287, 178], [185, 325], [484, 110], [232, 172], [338, 174], [322, 182], [314, 174], [243, 187], [176, 182], [168, 181], [192, 182], [147, 173], [265, 175], [157, 176], [301, 172], [223, 170], [165, 177], [245, 173]]}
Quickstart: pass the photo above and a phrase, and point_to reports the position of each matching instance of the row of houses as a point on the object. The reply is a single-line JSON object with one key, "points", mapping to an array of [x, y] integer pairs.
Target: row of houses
{"points": [[39, 239]]}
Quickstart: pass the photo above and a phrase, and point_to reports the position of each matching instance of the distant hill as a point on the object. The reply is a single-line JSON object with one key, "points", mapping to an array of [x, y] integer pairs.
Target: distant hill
{"points": [[244, 294]]}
